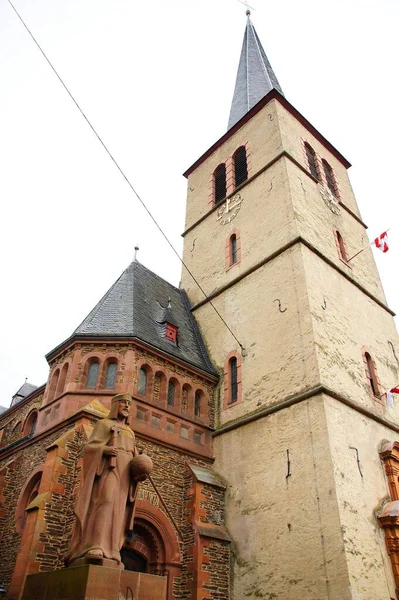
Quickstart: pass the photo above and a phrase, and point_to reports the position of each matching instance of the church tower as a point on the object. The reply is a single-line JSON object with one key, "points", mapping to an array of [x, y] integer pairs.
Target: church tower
{"points": [[271, 224]]}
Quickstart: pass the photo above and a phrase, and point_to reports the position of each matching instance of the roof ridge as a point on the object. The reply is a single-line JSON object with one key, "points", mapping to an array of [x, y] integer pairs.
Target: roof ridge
{"points": [[197, 333]]}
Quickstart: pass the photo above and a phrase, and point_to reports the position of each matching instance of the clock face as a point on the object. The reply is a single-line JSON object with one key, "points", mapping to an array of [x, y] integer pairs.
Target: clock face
{"points": [[330, 201], [226, 213]]}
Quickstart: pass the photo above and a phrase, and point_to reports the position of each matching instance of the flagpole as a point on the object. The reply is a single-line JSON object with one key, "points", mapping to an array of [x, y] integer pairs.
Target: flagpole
{"points": [[365, 248]]}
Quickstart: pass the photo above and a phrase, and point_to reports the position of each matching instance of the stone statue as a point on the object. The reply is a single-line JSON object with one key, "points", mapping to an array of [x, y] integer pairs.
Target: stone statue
{"points": [[112, 468]]}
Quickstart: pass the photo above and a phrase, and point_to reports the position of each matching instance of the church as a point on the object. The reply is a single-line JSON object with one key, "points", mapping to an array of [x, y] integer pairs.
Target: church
{"points": [[262, 403]]}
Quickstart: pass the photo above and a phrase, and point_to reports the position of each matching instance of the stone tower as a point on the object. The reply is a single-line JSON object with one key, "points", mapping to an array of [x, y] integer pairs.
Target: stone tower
{"points": [[270, 225]]}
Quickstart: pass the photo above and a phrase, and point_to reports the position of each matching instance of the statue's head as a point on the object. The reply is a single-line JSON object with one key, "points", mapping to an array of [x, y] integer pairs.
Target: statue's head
{"points": [[120, 405]]}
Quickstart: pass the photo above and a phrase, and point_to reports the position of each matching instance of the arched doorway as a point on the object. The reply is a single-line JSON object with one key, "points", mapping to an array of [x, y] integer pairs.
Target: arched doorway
{"points": [[154, 547], [145, 551]]}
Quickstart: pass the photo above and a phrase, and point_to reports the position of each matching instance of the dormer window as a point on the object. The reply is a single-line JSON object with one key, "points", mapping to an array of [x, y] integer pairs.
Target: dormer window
{"points": [[171, 332]]}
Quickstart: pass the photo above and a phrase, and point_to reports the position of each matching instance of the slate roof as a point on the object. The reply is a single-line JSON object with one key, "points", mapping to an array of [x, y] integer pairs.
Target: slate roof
{"points": [[255, 76], [3, 409], [138, 305], [24, 390]]}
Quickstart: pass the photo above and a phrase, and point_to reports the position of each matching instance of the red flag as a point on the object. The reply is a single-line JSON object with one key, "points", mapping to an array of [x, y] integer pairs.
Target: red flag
{"points": [[394, 390], [381, 242]]}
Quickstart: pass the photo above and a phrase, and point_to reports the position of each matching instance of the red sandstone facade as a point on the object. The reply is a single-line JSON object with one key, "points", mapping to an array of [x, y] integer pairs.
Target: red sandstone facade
{"points": [[42, 438]]}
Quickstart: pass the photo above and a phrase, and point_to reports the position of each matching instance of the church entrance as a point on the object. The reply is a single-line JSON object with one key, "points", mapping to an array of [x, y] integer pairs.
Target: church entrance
{"points": [[133, 561], [145, 551]]}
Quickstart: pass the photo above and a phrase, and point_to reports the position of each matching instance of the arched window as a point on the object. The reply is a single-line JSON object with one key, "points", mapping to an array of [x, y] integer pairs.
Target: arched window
{"points": [[30, 424], [171, 393], [142, 383], [53, 385], [233, 379], [159, 390], [92, 374], [220, 183], [240, 165], [62, 379], [371, 374], [330, 178], [233, 249], [312, 161], [186, 397], [197, 403], [110, 376], [341, 246], [28, 494]]}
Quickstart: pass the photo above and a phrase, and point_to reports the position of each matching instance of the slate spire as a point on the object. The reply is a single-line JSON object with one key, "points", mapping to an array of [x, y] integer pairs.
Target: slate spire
{"points": [[255, 76]]}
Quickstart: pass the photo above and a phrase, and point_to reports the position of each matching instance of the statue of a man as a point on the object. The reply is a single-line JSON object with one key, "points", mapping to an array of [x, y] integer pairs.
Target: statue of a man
{"points": [[105, 508]]}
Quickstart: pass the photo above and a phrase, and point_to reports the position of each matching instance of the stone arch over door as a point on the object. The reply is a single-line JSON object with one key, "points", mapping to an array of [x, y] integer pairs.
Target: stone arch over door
{"points": [[154, 547]]}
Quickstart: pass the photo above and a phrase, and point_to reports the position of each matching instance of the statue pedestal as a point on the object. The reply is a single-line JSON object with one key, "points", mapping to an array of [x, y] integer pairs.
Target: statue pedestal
{"points": [[92, 582]]}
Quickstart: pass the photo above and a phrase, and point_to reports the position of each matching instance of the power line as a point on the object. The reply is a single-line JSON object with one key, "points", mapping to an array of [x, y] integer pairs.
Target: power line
{"points": [[123, 173]]}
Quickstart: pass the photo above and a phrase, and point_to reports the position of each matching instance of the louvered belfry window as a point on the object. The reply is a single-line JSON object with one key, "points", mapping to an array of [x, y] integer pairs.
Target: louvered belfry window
{"points": [[240, 166], [312, 161], [330, 178], [220, 183]]}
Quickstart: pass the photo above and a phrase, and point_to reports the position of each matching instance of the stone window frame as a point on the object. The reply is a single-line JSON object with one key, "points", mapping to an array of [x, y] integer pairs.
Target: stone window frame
{"points": [[309, 150], [330, 178], [372, 378], [213, 183], [229, 251], [27, 426], [25, 497], [227, 403], [341, 247], [147, 369]]}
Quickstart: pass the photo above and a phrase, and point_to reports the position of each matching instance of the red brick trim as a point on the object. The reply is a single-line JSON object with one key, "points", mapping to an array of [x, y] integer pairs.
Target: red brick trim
{"points": [[373, 374], [28, 421], [249, 159], [317, 159], [23, 498], [229, 255], [211, 192], [230, 176], [149, 384], [227, 403]]}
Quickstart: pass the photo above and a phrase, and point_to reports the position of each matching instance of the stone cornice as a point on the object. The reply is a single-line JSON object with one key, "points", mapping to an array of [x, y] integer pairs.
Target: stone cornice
{"points": [[273, 255], [301, 397]]}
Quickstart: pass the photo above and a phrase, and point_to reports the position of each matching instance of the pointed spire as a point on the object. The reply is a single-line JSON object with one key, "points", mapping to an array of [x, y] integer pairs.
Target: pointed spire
{"points": [[255, 76]]}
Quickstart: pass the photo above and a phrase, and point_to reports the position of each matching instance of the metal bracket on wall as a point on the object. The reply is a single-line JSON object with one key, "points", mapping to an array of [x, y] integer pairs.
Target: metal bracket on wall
{"points": [[279, 305]]}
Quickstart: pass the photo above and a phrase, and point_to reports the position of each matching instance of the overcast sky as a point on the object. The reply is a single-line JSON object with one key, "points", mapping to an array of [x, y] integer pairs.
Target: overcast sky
{"points": [[156, 79]]}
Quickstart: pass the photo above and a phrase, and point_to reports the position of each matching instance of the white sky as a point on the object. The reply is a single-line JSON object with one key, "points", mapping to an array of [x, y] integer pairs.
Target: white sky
{"points": [[156, 79]]}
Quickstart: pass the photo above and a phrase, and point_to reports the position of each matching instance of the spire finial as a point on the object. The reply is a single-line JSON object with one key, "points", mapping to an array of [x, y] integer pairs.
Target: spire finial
{"points": [[136, 249], [248, 13]]}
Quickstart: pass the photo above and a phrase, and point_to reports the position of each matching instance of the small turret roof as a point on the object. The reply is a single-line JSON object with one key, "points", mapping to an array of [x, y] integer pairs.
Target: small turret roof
{"points": [[255, 76], [137, 305]]}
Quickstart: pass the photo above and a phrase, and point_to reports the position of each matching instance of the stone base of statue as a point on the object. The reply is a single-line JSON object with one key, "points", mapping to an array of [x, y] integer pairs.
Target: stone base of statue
{"points": [[92, 582]]}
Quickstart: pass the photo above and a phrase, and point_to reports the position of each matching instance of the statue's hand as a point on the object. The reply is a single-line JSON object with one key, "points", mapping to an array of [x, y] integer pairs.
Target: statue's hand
{"points": [[110, 451]]}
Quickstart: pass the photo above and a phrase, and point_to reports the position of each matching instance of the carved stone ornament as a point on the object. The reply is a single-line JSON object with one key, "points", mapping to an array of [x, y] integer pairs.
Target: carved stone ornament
{"points": [[329, 199], [229, 209]]}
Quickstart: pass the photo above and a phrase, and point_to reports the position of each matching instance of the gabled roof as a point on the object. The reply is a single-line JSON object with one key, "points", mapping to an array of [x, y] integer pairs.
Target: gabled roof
{"points": [[255, 76], [138, 305]]}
